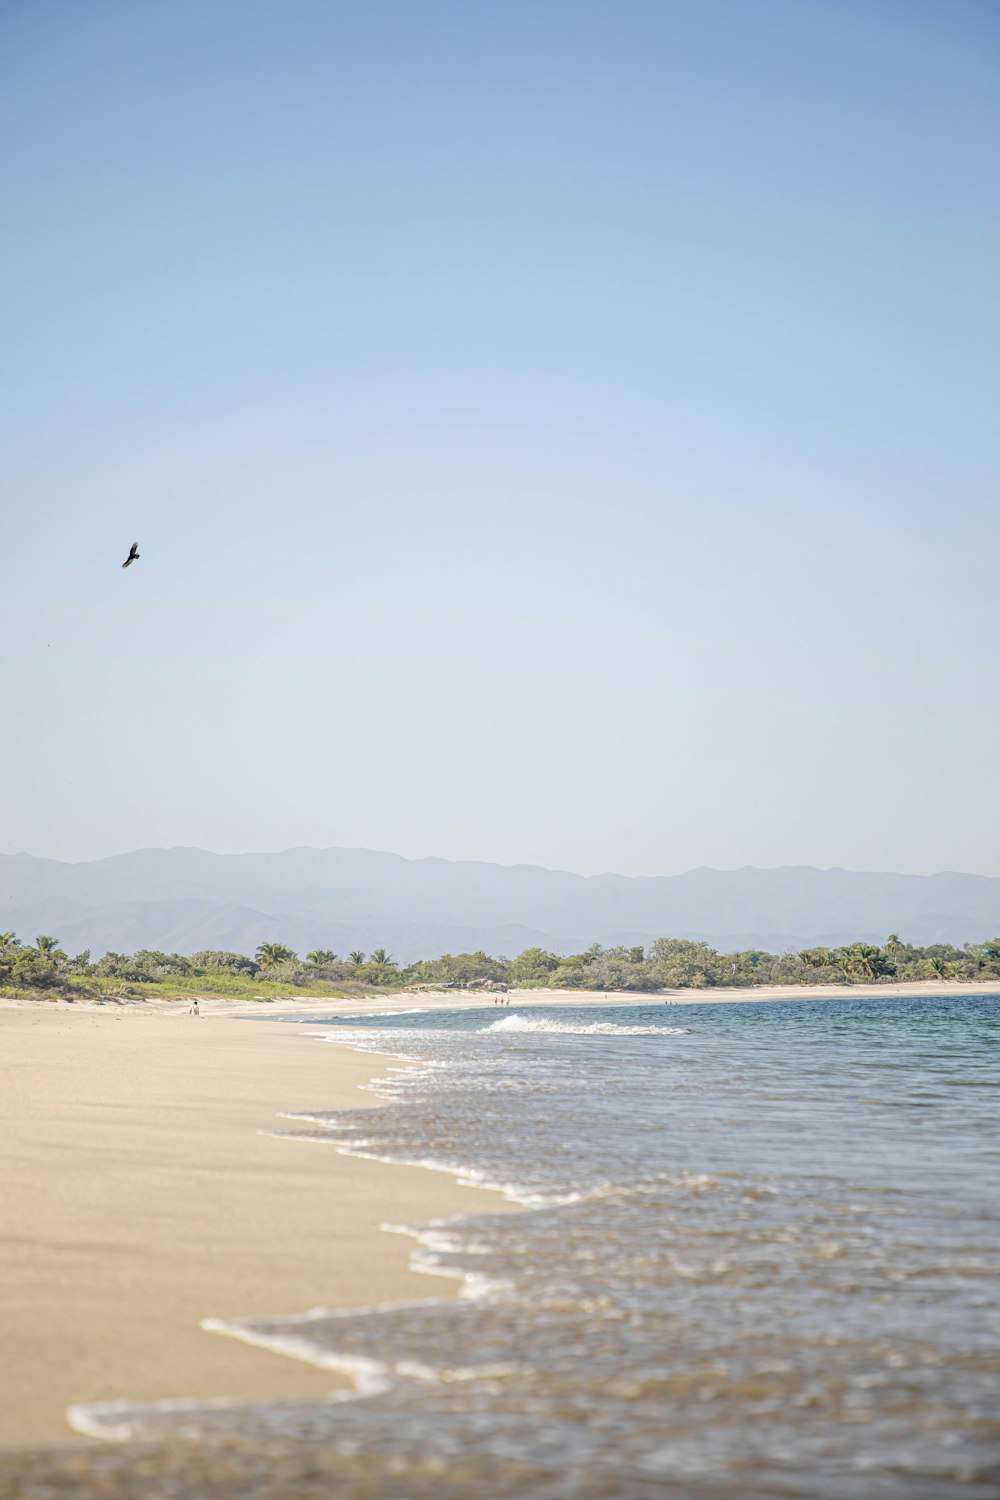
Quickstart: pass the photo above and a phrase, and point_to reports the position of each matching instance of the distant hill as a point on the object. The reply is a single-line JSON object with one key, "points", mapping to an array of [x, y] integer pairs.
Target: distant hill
{"points": [[185, 899]]}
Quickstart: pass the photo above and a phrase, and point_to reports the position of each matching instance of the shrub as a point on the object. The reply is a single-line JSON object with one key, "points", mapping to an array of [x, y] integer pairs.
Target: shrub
{"points": [[214, 958]]}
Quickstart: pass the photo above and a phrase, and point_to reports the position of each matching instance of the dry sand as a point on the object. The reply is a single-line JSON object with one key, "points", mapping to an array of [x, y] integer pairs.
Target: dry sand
{"points": [[140, 1191]]}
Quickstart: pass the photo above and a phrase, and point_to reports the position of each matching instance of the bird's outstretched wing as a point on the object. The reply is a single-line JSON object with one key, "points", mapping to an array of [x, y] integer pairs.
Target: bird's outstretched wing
{"points": [[133, 554]]}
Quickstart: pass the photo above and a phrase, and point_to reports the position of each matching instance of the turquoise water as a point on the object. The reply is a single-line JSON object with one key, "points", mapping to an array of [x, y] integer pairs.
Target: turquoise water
{"points": [[758, 1257]]}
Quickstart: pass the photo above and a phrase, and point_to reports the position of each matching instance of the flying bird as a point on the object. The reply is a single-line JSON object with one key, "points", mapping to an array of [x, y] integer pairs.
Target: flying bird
{"points": [[132, 555]]}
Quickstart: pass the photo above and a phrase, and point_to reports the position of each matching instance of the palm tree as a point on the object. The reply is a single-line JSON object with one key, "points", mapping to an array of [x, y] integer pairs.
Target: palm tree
{"points": [[892, 944], [380, 966], [866, 960], [48, 947], [320, 956], [270, 955], [357, 958], [8, 941], [937, 967]]}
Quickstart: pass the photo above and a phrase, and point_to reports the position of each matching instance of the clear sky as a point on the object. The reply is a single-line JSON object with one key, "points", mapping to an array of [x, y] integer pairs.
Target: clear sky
{"points": [[554, 431]]}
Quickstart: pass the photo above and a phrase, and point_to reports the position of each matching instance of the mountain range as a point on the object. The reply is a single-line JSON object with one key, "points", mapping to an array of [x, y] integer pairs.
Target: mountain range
{"points": [[182, 899]]}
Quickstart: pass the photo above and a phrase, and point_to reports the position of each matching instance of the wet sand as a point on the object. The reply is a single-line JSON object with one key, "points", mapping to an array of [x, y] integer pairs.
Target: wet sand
{"points": [[141, 1191]]}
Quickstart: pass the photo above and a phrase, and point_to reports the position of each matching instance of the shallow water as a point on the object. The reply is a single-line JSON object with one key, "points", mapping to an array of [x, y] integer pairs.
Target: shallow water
{"points": [[760, 1259]]}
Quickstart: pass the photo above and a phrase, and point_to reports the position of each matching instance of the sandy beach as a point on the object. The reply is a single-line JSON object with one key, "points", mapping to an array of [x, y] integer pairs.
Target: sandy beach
{"points": [[142, 1192], [144, 1189]]}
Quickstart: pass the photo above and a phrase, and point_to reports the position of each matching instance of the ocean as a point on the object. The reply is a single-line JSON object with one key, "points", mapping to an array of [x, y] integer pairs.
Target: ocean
{"points": [[758, 1257]]}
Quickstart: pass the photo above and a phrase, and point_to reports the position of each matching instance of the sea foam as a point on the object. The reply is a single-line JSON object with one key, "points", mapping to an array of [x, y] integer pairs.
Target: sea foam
{"points": [[518, 1022]]}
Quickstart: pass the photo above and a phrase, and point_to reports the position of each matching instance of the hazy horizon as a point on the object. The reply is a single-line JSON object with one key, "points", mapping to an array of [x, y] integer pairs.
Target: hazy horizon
{"points": [[553, 434], [185, 900], [503, 864], [509, 860]]}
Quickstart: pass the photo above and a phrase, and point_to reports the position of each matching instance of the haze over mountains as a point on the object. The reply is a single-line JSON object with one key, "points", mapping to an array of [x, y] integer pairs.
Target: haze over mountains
{"points": [[184, 899]]}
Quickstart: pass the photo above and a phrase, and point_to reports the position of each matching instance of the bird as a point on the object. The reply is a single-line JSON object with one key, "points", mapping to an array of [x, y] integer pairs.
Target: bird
{"points": [[132, 555]]}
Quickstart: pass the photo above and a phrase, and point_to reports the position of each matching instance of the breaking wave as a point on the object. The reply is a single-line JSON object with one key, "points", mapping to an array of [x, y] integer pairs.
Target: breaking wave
{"points": [[595, 1028]]}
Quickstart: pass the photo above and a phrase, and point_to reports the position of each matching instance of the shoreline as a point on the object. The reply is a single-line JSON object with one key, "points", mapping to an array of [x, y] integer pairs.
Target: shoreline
{"points": [[146, 1189], [412, 1000], [399, 1001]]}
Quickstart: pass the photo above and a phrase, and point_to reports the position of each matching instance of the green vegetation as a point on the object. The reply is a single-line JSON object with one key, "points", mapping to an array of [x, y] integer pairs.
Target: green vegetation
{"points": [[669, 964], [275, 973], [273, 955]]}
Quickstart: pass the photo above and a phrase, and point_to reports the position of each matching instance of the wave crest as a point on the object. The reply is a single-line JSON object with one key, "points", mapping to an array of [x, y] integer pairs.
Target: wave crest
{"points": [[595, 1028]]}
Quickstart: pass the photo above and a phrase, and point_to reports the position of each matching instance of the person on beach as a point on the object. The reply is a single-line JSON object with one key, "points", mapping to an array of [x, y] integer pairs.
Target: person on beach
{"points": [[194, 1011]]}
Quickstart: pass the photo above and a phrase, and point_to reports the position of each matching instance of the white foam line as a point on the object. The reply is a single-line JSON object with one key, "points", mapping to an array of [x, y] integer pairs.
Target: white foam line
{"points": [[435, 1240], [366, 1015], [464, 1176], [477, 1288], [325, 1122], [97, 1419], [425, 1257], [370, 1376]]}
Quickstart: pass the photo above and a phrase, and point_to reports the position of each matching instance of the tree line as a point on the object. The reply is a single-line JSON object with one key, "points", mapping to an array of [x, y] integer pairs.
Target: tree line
{"points": [[668, 963]]}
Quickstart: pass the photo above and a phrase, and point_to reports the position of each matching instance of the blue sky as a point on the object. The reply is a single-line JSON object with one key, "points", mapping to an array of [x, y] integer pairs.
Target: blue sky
{"points": [[554, 432]]}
